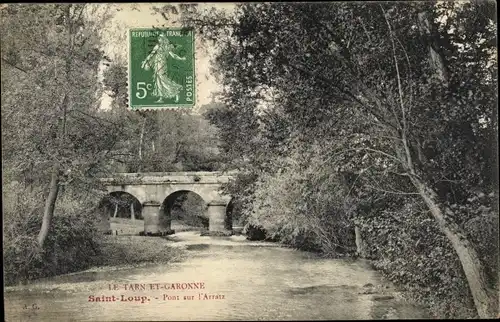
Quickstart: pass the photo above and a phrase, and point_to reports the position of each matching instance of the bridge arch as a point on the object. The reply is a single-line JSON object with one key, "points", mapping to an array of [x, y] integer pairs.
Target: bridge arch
{"points": [[194, 206], [121, 204], [152, 189], [229, 219], [117, 204], [158, 193], [138, 193]]}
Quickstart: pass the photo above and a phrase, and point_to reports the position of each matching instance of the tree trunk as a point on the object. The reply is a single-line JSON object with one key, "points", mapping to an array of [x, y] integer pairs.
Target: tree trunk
{"points": [[116, 210], [141, 138], [28, 179], [483, 296], [360, 246], [50, 202], [428, 29]]}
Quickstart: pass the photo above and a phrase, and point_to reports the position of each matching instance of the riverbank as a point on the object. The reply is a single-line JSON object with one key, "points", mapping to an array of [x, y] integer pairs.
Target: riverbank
{"points": [[127, 250], [247, 280], [126, 226], [122, 252]]}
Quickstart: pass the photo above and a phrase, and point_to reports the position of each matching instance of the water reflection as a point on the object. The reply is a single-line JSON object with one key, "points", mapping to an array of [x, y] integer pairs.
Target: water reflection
{"points": [[256, 283]]}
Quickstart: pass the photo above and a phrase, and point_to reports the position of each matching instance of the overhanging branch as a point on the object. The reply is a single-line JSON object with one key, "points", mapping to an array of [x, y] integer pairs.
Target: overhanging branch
{"points": [[14, 65]]}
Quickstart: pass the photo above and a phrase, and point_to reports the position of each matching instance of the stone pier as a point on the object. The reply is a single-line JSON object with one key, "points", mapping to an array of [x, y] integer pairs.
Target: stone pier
{"points": [[156, 221], [217, 224]]}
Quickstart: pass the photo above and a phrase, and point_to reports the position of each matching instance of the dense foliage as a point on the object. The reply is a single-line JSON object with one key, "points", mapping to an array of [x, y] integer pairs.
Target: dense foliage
{"points": [[73, 244], [172, 140], [57, 139], [345, 114]]}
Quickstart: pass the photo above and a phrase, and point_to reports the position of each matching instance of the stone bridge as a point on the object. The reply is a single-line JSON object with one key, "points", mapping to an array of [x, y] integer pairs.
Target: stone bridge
{"points": [[157, 191]]}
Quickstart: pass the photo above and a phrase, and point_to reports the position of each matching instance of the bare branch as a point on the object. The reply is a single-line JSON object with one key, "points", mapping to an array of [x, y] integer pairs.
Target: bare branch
{"points": [[392, 192], [410, 94], [14, 65], [400, 90], [383, 153]]}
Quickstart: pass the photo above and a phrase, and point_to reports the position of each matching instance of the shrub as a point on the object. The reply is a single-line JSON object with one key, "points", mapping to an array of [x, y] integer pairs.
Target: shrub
{"points": [[72, 244], [303, 205], [409, 249], [23, 259]]}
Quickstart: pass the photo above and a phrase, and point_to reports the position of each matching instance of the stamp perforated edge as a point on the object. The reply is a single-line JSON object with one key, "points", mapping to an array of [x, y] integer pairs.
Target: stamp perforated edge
{"points": [[158, 108]]}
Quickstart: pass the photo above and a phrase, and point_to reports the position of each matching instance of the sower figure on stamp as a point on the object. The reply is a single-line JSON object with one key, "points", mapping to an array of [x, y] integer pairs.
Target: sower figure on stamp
{"points": [[164, 87]]}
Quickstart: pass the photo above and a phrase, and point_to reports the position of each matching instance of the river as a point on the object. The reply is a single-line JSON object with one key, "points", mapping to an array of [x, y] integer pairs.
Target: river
{"points": [[229, 279]]}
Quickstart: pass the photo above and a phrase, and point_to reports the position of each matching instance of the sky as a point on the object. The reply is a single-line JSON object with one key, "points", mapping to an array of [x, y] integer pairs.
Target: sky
{"points": [[132, 15]]}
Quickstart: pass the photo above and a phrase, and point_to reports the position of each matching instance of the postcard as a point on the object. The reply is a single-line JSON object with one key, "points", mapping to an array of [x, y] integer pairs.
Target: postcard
{"points": [[249, 161]]}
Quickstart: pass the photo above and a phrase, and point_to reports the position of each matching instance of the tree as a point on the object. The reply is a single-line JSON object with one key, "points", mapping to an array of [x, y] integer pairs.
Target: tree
{"points": [[50, 95], [157, 141], [412, 117]]}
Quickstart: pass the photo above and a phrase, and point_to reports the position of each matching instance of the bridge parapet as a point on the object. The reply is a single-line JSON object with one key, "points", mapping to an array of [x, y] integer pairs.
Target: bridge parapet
{"points": [[168, 178]]}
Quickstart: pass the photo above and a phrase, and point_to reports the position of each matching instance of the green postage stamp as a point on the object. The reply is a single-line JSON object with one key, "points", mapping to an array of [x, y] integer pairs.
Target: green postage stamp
{"points": [[161, 68]]}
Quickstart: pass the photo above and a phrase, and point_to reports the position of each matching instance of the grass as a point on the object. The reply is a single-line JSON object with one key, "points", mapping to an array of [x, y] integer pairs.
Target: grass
{"points": [[126, 247], [127, 250]]}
